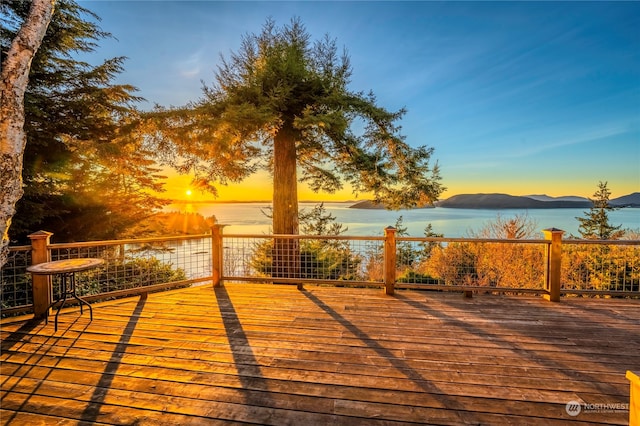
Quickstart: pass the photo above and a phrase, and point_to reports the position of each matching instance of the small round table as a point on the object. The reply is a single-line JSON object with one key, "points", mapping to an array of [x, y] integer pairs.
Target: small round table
{"points": [[66, 269]]}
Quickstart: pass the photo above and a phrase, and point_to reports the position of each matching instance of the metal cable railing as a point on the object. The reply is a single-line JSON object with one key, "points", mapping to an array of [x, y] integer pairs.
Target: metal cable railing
{"points": [[587, 266], [464, 262], [302, 258], [131, 266], [606, 267], [15, 282]]}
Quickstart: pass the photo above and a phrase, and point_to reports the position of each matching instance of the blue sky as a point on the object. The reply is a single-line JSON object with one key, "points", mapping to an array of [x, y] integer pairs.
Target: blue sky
{"points": [[519, 98]]}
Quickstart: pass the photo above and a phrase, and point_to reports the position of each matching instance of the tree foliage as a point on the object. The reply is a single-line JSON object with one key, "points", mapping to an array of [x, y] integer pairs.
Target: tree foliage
{"points": [[87, 173], [319, 222], [15, 64], [282, 102], [483, 263], [321, 258], [518, 227], [596, 225]]}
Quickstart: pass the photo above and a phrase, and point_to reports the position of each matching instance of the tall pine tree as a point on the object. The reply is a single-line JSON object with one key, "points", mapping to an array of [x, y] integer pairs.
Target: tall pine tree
{"points": [[282, 102], [595, 225]]}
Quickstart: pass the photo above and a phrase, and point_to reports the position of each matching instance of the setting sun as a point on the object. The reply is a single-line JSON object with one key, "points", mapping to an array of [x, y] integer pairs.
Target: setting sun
{"points": [[188, 192]]}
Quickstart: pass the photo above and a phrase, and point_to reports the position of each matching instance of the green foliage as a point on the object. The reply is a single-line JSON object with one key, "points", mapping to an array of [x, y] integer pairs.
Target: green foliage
{"points": [[87, 173], [128, 274], [319, 258], [414, 277], [319, 222], [15, 282], [280, 85], [428, 247], [595, 225], [406, 256], [118, 274]]}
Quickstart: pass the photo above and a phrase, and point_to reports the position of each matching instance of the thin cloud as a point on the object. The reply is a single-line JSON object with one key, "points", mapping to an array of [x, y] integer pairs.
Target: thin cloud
{"points": [[192, 65]]}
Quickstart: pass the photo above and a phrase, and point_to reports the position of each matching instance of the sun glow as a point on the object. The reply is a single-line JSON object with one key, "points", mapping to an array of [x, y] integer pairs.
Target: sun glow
{"points": [[255, 188]]}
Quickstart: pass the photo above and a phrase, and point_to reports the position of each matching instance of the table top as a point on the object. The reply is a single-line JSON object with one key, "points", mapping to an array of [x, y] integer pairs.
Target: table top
{"points": [[64, 266]]}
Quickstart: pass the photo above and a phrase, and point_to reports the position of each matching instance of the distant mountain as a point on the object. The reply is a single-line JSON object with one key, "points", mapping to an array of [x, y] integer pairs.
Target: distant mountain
{"points": [[631, 200], [367, 204], [505, 201], [565, 198]]}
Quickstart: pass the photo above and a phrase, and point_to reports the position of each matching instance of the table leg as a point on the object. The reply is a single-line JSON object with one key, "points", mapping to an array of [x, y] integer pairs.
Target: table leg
{"points": [[82, 302], [68, 287]]}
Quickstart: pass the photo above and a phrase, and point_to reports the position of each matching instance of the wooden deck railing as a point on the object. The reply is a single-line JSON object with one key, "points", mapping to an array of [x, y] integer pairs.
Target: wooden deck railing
{"points": [[549, 267]]}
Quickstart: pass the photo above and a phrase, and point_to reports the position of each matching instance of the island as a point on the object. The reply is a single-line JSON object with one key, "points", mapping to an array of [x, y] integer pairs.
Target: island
{"points": [[505, 201]]}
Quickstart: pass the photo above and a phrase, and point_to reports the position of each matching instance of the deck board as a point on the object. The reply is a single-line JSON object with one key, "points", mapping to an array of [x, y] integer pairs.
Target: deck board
{"points": [[260, 354]]}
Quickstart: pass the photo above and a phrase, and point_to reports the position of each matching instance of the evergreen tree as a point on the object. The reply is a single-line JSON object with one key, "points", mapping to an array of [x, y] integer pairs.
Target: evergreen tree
{"points": [[327, 259], [428, 247], [595, 225], [282, 102], [86, 171], [319, 222], [406, 256]]}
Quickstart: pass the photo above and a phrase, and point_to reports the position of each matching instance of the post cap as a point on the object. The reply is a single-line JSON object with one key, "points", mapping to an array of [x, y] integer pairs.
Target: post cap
{"points": [[40, 234]]}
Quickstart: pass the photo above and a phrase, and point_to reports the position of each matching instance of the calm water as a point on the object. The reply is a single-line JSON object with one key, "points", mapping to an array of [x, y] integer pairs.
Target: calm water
{"points": [[248, 218]]}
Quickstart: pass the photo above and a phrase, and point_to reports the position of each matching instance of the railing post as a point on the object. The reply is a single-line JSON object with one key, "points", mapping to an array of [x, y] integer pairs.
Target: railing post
{"points": [[41, 284], [216, 254], [389, 259], [553, 269]]}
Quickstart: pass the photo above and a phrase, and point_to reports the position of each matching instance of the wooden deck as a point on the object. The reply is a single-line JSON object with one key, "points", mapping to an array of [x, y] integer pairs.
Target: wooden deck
{"points": [[276, 355]]}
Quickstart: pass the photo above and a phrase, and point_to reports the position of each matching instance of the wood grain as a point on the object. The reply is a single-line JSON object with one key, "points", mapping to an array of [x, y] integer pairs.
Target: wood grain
{"points": [[273, 354]]}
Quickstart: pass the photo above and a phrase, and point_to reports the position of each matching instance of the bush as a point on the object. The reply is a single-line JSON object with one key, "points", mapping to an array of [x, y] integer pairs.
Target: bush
{"points": [[417, 278], [128, 274]]}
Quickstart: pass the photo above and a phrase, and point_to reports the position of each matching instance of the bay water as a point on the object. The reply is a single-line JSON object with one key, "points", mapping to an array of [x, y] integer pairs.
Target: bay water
{"points": [[248, 218]]}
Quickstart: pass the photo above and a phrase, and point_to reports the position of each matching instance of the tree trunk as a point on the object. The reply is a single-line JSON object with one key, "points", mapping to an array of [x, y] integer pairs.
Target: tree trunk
{"points": [[15, 76], [286, 251]]}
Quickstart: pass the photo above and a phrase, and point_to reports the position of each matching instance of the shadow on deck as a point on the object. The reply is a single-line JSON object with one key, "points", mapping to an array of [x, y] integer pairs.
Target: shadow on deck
{"points": [[262, 354]]}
